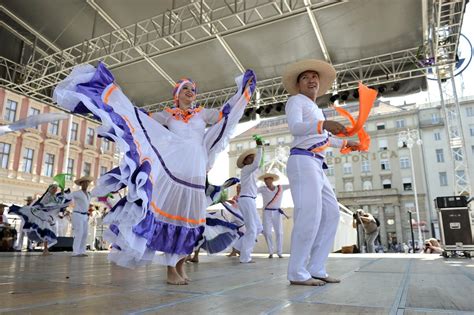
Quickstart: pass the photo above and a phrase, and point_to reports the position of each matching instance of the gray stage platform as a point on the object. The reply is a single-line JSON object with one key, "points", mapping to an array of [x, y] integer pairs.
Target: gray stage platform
{"points": [[372, 284]]}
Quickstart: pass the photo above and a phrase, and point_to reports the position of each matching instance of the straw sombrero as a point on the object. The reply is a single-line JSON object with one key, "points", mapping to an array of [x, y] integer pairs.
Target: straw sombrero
{"points": [[327, 75], [240, 160], [266, 175], [83, 179]]}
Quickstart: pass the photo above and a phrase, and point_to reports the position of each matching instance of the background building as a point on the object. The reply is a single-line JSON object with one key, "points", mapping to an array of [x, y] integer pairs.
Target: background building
{"points": [[29, 158], [381, 180]]}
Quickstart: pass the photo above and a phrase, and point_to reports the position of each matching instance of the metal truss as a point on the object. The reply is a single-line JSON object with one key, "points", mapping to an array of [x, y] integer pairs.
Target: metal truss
{"points": [[446, 20], [169, 31], [11, 72], [392, 67]]}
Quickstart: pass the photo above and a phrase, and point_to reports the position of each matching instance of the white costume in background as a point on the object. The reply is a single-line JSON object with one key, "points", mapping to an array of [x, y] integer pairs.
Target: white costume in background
{"points": [[248, 193], [316, 212], [272, 216], [80, 220], [93, 222], [62, 226]]}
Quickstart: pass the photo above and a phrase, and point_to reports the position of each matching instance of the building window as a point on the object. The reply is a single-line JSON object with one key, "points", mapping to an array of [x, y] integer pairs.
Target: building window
{"points": [[103, 170], [434, 118], [407, 186], [439, 155], [471, 130], [87, 169], [472, 149], [443, 179], [383, 144], [54, 128], [70, 168], [105, 145], [48, 165], [437, 136], [387, 184], [330, 170], [74, 131], [348, 186], [384, 165], [239, 147], [367, 185], [4, 154], [404, 162], [400, 123], [470, 111], [461, 177], [10, 110], [90, 136], [347, 168], [365, 166], [28, 160], [34, 112], [281, 141], [380, 126], [329, 153]]}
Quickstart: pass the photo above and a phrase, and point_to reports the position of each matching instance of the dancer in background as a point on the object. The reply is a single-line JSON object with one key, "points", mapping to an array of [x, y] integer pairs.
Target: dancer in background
{"points": [[272, 213], [40, 217], [80, 226], [249, 161]]}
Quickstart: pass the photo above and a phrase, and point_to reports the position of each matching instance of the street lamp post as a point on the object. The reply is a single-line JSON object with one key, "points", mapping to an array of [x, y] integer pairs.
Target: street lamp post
{"points": [[412, 234], [410, 137]]}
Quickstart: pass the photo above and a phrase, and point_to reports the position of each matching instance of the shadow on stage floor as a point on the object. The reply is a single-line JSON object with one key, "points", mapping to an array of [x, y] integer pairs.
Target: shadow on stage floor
{"points": [[371, 284]]}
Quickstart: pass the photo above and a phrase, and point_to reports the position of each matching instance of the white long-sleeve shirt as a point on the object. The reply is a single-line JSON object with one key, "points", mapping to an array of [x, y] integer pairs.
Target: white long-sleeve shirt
{"points": [[81, 200], [248, 176], [304, 119], [268, 195]]}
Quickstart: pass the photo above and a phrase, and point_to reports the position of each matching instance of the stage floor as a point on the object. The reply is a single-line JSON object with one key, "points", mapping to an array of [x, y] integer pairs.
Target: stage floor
{"points": [[371, 284]]}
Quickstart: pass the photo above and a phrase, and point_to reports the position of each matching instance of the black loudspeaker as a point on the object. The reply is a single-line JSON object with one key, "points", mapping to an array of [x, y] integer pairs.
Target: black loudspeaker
{"points": [[456, 225], [64, 244], [451, 202]]}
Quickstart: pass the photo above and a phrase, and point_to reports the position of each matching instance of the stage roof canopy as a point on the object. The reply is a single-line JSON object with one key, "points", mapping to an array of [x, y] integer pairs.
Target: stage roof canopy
{"points": [[149, 44]]}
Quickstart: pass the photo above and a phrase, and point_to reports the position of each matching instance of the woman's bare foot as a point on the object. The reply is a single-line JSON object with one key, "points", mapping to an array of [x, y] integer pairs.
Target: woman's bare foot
{"points": [[310, 282], [181, 271], [174, 277]]}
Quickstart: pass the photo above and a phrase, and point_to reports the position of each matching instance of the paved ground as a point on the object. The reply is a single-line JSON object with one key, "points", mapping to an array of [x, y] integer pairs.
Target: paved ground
{"points": [[372, 284]]}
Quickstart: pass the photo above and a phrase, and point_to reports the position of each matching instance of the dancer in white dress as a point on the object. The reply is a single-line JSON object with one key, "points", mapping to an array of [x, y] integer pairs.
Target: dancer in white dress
{"points": [[166, 157]]}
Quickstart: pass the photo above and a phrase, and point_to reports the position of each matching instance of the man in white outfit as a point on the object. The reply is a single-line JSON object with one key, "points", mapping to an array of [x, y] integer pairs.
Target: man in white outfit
{"points": [[80, 222], [272, 212], [316, 212], [248, 162]]}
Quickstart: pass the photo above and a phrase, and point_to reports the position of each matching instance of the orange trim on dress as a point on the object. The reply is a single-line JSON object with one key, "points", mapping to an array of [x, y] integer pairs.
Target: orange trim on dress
{"points": [[107, 94], [175, 217], [179, 114]]}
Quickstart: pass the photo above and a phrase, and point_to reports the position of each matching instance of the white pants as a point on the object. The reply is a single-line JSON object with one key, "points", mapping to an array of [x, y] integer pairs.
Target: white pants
{"points": [[80, 227], [253, 227], [316, 216], [273, 219]]}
